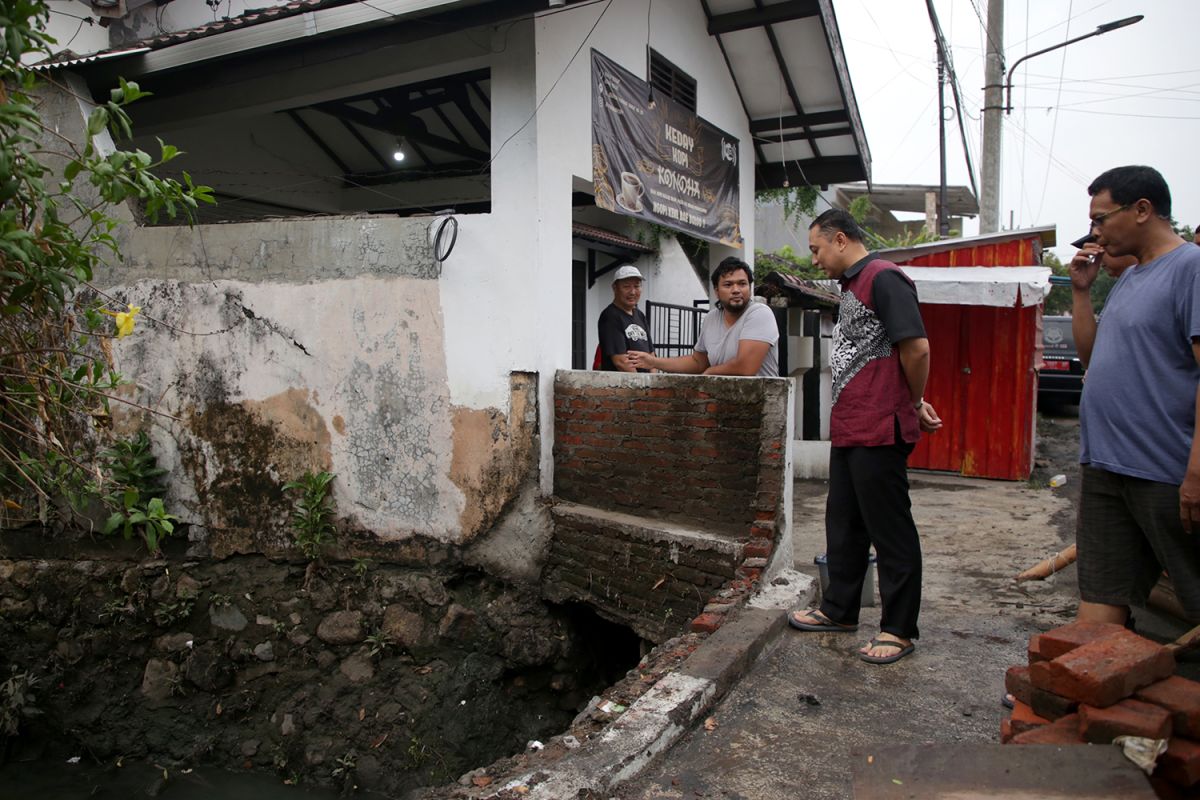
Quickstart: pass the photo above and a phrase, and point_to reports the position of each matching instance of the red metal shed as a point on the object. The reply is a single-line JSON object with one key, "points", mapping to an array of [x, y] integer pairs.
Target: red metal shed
{"points": [[983, 362]]}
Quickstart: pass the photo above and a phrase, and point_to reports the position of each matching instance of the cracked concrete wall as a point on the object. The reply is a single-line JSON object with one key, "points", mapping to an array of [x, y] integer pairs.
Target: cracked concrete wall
{"points": [[293, 345]]}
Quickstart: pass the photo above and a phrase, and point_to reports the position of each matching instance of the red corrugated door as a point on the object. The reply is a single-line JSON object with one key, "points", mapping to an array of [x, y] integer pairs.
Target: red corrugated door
{"points": [[946, 389], [983, 385]]}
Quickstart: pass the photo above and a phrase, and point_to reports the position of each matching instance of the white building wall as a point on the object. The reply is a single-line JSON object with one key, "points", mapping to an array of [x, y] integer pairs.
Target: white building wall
{"points": [[501, 302], [773, 232], [678, 30], [671, 277], [490, 284]]}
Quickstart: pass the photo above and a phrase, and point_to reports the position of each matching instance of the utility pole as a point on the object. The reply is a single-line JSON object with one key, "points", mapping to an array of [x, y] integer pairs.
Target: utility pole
{"points": [[943, 218], [993, 105]]}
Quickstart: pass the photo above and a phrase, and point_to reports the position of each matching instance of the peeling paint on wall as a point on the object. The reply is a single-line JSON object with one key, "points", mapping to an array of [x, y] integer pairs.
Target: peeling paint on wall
{"points": [[270, 380], [239, 455], [493, 455]]}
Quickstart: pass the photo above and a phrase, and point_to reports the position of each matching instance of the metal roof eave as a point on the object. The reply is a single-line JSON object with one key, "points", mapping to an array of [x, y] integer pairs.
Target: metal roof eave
{"points": [[819, 170], [1046, 234], [224, 42], [908, 197]]}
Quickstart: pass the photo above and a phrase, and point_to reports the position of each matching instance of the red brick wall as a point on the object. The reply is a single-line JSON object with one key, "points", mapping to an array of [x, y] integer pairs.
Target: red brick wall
{"points": [[701, 451], [669, 495]]}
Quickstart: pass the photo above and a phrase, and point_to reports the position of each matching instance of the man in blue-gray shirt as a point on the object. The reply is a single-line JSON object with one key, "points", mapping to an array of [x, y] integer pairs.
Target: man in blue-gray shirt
{"points": [[1139, 510]]}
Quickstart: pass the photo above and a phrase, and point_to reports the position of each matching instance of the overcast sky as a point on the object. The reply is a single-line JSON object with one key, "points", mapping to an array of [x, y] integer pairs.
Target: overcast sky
{"points": [[1131, 96]]}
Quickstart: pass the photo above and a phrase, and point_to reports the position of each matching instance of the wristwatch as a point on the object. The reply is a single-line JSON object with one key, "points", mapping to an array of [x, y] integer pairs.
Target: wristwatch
{"points": [[917, 405]]}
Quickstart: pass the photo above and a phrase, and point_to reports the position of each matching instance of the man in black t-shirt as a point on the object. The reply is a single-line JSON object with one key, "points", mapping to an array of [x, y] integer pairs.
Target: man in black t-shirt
{"points": [[622, 327]]}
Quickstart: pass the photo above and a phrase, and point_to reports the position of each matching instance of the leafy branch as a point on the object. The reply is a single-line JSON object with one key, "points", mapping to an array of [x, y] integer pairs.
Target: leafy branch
{"points": [[57, 375]]}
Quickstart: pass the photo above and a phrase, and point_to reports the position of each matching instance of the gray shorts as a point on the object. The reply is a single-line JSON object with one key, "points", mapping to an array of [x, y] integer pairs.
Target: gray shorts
{"points": [[1128, 531]]}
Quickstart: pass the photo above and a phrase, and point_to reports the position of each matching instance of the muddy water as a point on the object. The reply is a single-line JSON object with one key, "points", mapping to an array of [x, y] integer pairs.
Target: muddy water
{"points": [[58, 781]]}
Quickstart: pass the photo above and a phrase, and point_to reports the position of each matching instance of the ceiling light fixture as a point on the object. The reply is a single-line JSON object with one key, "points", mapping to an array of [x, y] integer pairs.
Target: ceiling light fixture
{"points": [[398, 152]]}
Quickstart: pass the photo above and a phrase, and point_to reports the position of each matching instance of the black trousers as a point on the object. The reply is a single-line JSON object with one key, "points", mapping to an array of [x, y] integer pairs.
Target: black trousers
{"points": [[868, 505]]}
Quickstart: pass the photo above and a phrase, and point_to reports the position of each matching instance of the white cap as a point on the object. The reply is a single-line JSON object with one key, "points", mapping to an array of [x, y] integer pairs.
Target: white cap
{"points": [[627, 271]]}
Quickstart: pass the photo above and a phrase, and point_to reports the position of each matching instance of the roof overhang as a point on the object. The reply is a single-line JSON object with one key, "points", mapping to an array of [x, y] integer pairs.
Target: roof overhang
{"points": [[610, 242], [996, 287], [787, 61], [300, 22], [799, 292], [895, 197]]}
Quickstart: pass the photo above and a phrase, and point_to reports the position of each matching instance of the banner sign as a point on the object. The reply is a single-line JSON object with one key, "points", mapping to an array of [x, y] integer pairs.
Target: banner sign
{"points": [[654, 159]]}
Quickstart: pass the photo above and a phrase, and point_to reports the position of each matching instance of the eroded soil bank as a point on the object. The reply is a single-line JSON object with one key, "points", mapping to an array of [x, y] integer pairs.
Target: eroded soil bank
{"points": [[357, 674]]}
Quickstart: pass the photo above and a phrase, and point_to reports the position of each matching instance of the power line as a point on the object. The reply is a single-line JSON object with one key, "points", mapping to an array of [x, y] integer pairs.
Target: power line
{"points": [[1149, 95], [1028, 36], [1062, 67], [1112, 77], [550, 91], [1185, 89], [1132, 116], [983, 25]]}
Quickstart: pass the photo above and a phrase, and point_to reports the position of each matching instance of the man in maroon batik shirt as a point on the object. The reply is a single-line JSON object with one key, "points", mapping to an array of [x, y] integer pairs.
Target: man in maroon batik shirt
{"points": [[880, 363]]}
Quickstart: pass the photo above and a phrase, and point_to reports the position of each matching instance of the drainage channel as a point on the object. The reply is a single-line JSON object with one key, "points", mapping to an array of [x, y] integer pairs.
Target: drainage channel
{"points": [[386, 679]]}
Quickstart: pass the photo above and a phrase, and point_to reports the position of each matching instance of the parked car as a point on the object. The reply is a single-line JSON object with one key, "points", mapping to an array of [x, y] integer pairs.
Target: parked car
{"points": [[1061, 379]]}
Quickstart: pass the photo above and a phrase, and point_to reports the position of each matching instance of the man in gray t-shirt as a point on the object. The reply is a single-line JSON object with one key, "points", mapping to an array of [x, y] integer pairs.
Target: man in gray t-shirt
{"points": [[740, 337], [1139, 508]]}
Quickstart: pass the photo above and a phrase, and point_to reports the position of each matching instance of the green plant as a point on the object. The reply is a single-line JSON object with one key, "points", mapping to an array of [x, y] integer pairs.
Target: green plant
{"points": [[167, 614], [312, 517], [361, 565], [117, 607], [785, 261], [55, 327], [649, 233], [861, 207], [218, 600], [379, 643], [417, 754], [135, 492], [345, 764], [131, 464], [149, 520], [798, 201], [16, 701]]}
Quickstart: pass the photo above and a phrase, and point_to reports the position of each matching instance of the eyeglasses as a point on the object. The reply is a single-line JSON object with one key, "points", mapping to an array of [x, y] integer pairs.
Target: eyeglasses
{"points": [[1098, 222]]}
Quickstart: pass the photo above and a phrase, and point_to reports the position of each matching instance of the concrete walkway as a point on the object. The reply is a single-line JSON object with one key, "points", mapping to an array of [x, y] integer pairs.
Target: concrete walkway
{"points": [[809, 711]]}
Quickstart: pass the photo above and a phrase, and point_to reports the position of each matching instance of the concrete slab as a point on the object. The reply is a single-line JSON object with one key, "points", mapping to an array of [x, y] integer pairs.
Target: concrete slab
{"points": [[649, 529], [965, 771]]}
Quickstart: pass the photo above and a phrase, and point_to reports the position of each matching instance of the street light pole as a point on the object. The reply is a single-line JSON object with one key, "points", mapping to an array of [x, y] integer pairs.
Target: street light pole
{"points": [[989, 194], [1105, 28], [989, 171]]}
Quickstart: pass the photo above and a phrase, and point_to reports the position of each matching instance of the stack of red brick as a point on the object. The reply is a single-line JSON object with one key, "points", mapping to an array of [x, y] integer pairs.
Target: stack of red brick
{"points": [[1092, 682]]}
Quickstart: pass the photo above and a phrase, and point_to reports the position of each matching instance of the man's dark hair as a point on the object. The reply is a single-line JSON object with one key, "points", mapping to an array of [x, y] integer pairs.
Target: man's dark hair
{"points": [[1129, 184], [834, 220], [731, 264]]}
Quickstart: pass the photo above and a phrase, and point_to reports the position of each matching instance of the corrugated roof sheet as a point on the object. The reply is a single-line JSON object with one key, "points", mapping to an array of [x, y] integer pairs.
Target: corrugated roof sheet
{"points": [[248, 19], [594, 234], [1045, 233], [808, 291]]}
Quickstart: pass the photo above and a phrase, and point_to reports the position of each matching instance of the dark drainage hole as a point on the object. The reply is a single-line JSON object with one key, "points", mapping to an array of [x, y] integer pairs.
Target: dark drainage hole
{"points": [[607, 650]]}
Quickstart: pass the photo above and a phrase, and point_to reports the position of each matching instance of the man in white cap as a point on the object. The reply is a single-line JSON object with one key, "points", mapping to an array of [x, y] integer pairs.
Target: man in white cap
{"points": [[622, 326], [738, 337]]}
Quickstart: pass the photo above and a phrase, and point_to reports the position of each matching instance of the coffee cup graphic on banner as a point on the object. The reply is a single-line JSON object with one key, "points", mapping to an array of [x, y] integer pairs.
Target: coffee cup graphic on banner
{"points": [[631, 192]]}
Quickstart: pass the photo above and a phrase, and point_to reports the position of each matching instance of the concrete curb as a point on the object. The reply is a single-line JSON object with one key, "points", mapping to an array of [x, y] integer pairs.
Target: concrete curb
{"points": [[669, 709]]}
